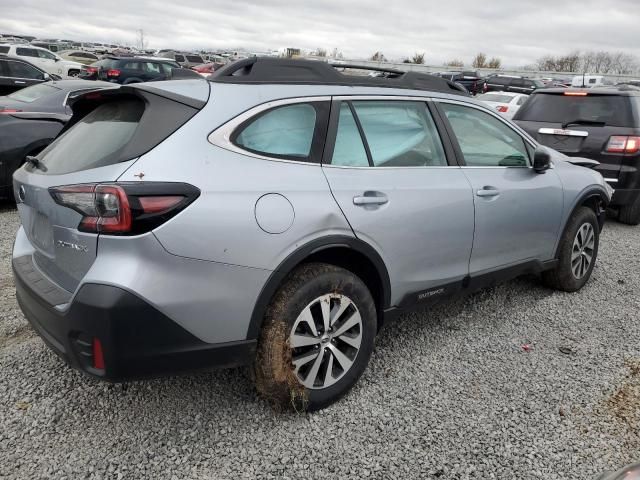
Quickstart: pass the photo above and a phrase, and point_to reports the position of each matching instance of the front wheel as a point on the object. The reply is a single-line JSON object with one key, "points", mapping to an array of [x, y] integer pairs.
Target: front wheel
{"points": [[317, 338], [578, 251]]}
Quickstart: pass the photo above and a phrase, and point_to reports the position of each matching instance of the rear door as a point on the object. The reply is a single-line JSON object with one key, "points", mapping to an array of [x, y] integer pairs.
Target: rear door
{"points": [[517, 211], [389, 172]]}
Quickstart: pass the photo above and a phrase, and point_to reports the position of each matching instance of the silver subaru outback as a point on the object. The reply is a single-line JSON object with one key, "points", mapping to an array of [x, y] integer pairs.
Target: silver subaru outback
{"points": [[278, 215]]}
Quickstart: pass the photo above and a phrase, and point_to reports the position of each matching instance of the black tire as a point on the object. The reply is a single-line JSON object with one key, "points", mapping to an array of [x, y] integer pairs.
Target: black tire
{"points": [[562, 277], [630, 214], [74, 73], [274, 371]]}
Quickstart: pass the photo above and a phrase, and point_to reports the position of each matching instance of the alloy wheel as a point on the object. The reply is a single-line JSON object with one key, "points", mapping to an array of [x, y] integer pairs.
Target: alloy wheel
{"points": [[582, 251], [325, 340]]}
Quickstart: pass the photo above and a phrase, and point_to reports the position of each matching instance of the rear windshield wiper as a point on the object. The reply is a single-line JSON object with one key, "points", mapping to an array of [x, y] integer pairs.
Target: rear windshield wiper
{"points": [[584, 122], [35, 163]]}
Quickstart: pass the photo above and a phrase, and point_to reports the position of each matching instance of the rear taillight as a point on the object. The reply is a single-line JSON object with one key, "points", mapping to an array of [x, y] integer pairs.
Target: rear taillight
{"points": [[91, 70], [98, 354], [575, 94], [623, 144], [124, 208], [113, 72], [502, 108]]}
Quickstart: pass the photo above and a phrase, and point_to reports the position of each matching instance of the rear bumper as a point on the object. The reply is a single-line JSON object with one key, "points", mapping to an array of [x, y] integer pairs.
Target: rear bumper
{"points": [[137, 340]]}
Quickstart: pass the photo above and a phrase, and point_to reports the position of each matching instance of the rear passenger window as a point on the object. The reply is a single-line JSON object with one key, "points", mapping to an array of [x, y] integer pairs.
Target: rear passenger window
{"points": [[4, 49], [400, 134], [284, 132], [484, 140]]}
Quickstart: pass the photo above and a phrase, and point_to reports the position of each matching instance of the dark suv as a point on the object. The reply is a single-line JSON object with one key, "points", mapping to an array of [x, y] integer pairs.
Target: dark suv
{"points": [[126, 70], [503, 83], [602, 124], [472, 81], [16, 73]]}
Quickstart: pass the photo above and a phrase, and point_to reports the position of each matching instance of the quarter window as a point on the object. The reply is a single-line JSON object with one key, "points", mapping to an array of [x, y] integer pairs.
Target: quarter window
{"points": [[349, 149], [284, 132], [400, 134], [484, 140]]}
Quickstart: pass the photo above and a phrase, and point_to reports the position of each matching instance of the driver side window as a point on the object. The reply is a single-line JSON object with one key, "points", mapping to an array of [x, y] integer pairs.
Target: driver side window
{"points": [[484, 140]]}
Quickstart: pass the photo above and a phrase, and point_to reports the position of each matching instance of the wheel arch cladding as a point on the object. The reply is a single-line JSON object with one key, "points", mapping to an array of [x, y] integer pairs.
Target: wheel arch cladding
{"points": [[592, 198], [346, 252]]}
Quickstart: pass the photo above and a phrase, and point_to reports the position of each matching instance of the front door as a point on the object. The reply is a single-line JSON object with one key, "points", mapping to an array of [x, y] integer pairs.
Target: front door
{"points": [[517, 211], [388, 171]]}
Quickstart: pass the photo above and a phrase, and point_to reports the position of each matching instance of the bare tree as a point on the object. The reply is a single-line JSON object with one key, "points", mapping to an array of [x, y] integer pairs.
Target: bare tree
{"points": [[454, 63], [479, 61], [602, 62], [320, 52], [495, 62], [378, 57], [418, 58]]}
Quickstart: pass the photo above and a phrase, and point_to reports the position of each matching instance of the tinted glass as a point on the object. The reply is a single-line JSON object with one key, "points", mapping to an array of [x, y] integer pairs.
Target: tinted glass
{"points": [[517, 82], [484, 140], [33, 93], [22, 70], [349, 149], [400, 134], [4, 49], [26, 52], [194, 59], [95, 140], [106, 64], [153, 68], [46, 55], [285, 131], [494, 97], [179, 58], [610, 109], [499, 80]]}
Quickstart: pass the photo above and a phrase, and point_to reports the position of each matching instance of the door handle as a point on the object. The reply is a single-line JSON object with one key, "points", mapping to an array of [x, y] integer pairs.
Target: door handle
{"points": [[379, 199], [488, 192]]}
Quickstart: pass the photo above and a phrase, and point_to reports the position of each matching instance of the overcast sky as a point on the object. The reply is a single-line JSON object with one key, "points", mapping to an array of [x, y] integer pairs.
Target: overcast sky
{"points": [[517, 31]]}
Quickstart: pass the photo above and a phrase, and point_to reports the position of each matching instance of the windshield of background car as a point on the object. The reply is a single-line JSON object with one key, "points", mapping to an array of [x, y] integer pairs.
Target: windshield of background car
{"points": [[31, 94], [553, 108], [494, 97], [194, 59]]}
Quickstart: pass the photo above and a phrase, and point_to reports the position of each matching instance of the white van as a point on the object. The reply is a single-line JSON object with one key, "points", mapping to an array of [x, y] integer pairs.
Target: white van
{"points": [[587, 81]]}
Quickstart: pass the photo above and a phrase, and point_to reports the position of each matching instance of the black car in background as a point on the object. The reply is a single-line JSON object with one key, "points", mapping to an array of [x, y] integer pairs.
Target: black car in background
{"points": [[601, 124], [472, 81], [31, 118], [126, 70], [506, 83], [16, 73]]}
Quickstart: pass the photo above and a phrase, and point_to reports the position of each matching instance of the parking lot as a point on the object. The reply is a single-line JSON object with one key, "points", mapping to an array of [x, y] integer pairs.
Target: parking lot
{"points": [[514, 382]]}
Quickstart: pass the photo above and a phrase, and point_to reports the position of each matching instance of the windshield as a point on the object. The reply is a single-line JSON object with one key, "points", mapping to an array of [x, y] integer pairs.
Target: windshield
{"points": [[31, 94], [493, 97], [194, 59], [608, 109]]}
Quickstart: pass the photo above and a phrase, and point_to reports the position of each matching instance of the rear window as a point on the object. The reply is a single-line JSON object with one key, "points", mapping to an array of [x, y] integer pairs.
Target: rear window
{"points": [[194, 59], [96, 140], [494, 97], [4, 49], [610, 109], [31, 94], [107, 63]]}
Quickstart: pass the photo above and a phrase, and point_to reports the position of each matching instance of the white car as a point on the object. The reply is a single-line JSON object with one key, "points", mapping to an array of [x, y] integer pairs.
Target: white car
{"points": [[43, 58], [505, 103]]}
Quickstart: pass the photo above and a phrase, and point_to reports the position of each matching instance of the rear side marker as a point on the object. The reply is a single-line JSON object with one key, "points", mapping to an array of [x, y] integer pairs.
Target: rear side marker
{"points": [[98, 354]]}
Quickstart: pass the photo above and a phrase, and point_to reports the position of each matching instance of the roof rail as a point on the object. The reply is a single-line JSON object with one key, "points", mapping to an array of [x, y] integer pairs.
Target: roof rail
{"points": [[269, 70]]}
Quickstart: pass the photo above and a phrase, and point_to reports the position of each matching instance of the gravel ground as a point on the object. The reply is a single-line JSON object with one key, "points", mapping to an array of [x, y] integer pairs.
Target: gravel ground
{"points": [[514, 382]]}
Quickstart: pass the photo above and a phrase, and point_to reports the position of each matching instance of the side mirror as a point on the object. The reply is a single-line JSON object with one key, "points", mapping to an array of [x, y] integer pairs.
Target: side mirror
{"points": [[57, 59], [46, 77], [541, 160]]}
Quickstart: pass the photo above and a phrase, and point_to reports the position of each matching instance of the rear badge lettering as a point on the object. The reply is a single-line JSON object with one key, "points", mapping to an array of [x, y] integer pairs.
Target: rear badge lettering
{"points": [[72, 246]]}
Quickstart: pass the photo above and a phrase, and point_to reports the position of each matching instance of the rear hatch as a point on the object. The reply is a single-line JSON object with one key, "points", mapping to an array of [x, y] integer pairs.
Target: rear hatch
{"points": [[108, 131], [581, 124]]}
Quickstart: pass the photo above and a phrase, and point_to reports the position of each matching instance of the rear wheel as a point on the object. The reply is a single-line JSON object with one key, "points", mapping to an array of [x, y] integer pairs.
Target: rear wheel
{"points": [[630, 214], [74, 73], [578, 251], [317, 338]]}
